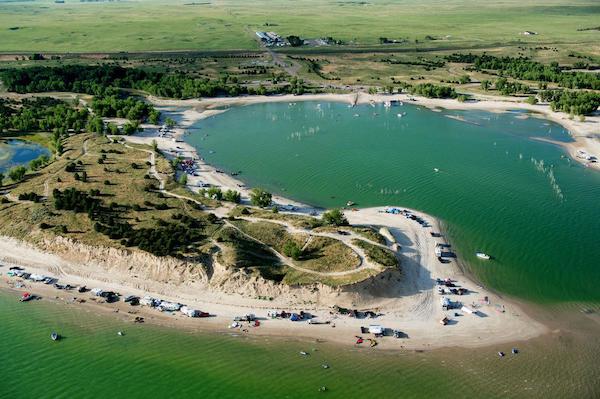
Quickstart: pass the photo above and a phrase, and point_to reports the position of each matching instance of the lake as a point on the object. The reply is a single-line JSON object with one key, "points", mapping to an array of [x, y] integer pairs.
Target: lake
{"points": [[494, 186]]}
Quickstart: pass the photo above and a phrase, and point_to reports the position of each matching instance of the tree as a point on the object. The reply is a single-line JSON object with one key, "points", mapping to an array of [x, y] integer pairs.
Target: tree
{"points": [[531, 100], [95, 125], [170, 122], [214, 193], [17, 173], [486, 84], [1, 178], [112, 129], [295, 41], [335, 217], [291, 249], [260, 197], [232, 196], [154, 145]]}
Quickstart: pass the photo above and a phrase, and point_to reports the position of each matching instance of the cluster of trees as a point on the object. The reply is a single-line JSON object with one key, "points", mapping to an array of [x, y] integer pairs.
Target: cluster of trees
{"points": [[165, 239], [128, 107], [572, 102], [506, 87], [433, 91], [527, 69], [100, 80], [31, 196], [217, 194], [41, 114], [72, 199]]}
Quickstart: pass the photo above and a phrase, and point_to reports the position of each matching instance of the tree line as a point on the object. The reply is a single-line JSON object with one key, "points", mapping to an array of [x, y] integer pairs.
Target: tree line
{"points": [[527, 69], [98, 79]]}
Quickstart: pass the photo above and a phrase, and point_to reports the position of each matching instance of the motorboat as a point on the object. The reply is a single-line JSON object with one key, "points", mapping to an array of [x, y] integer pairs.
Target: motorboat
{"points": [[483, 256], [26, 297], [54, 336]]}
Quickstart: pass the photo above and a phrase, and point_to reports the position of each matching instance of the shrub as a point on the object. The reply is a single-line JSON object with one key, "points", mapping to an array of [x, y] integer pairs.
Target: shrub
{"points": [[260, 197], [291, 249], [335, 217]]}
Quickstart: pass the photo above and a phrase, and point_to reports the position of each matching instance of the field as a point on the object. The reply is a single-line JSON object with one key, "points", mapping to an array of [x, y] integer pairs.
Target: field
{"points": [[153, 25]]}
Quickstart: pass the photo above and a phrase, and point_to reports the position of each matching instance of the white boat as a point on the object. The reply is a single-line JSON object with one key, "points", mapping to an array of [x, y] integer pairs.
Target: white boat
{"points": [[481, 255]]}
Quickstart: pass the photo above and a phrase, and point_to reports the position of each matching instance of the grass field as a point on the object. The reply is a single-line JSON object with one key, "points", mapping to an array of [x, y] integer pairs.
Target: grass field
{"points": [[153, 25]]}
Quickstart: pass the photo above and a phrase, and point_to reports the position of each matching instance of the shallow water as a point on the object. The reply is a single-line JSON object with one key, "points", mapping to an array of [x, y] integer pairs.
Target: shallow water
{"points": [[496, 189], [150, 361], [19, 152]]}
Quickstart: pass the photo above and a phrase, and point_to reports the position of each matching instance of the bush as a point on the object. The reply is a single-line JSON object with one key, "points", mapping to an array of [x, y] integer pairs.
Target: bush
{"points": [[531, 100], [232, 196], [335, 217], [214, 193], [17, 173], [292, 250], [260, 197], [29, 197]]}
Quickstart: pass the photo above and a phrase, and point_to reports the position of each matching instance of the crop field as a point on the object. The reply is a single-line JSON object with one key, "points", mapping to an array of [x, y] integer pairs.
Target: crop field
{"points": [[160, 25]]}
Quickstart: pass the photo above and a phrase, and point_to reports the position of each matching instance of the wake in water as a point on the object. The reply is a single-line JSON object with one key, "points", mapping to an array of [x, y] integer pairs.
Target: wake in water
{"points": [[549, 172]]}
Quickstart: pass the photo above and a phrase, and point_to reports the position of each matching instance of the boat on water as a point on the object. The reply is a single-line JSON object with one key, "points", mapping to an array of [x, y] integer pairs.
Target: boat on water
{"points": [[483, 256], [26, 297], [54, 336], [350, 203]]}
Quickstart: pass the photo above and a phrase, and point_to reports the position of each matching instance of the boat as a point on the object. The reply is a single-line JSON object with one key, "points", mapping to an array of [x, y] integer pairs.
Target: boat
{"points": [[54, 336], [482, 255], [501, 354], [350, 203], [515, 351], [120, 333], [436, 170], [26, 297], [304, 353]]}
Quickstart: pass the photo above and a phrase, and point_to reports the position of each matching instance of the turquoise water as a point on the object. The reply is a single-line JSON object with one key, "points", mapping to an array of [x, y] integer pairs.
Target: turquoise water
{"points": [[19, 152], [497, 189], [159, 362]]}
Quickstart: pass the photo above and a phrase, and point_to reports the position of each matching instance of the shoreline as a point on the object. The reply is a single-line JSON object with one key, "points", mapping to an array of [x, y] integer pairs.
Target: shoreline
{"points": [[585, 135], [411, 306]]}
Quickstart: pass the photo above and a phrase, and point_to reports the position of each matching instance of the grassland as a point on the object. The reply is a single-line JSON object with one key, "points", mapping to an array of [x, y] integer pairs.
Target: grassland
{"points": [[117, 176], [153, 25]]}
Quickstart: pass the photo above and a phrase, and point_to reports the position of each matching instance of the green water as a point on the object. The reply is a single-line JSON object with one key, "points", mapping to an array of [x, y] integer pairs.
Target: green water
{"points": [[497, 190], [19, 152], [159, 362]]}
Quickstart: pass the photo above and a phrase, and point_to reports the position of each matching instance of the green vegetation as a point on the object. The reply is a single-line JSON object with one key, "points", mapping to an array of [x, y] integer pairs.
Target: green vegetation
{"points": [[432, 91], [128, 107], [41, 114], [526, 69], [335, 217], [577, 103], [150, 26], [377, 254], [101, 80], [260, 197], [17, 173]]}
